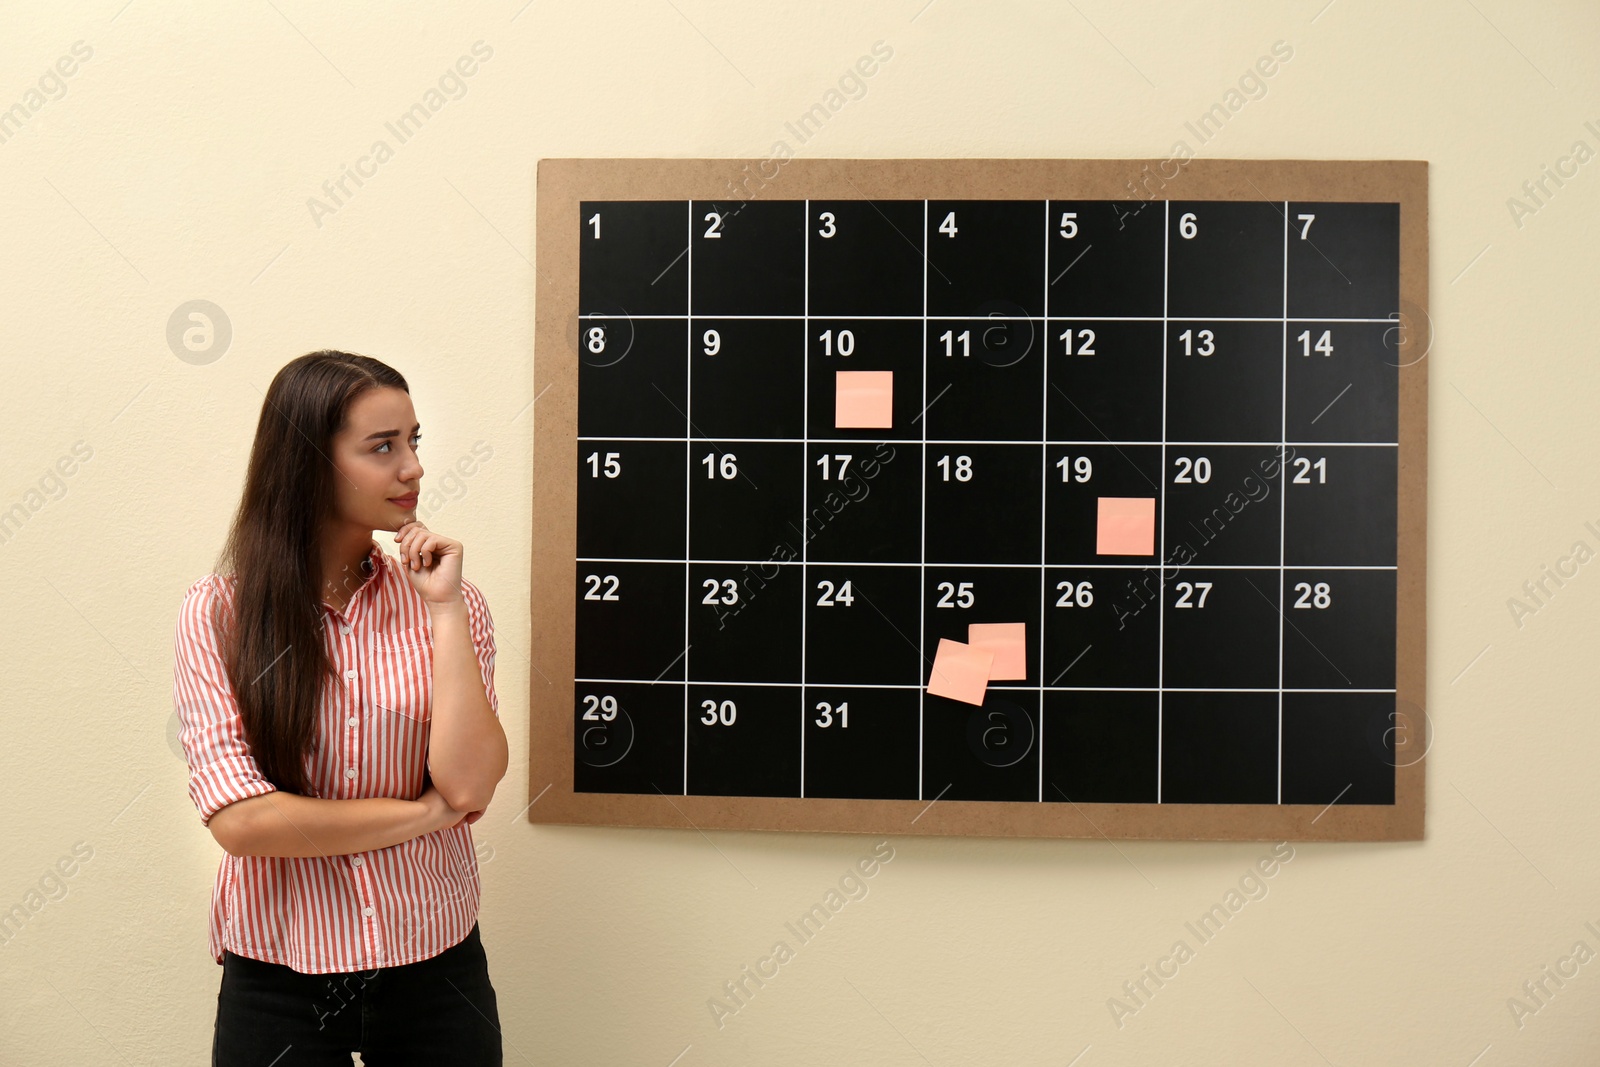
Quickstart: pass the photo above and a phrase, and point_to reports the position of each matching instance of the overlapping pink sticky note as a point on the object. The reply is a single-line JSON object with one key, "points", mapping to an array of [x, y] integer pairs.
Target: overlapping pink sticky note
{"points": [[1008, 642], [960, 671], [863, 399], [1127, 526]]}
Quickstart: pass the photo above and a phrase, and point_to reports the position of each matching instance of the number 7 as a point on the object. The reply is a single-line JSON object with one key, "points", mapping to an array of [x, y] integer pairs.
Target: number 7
{"points": [[1307, 227]]}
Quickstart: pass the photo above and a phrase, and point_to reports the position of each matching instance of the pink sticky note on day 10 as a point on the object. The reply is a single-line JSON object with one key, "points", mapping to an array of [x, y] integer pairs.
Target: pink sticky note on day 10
{"points": [[863, 399], [1008, 642], [960, 671], [1127, 526]]}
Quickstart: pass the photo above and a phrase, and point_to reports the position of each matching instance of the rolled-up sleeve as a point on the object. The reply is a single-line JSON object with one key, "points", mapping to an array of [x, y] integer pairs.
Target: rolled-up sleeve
{"points": [[221, 768], [481, 623]]}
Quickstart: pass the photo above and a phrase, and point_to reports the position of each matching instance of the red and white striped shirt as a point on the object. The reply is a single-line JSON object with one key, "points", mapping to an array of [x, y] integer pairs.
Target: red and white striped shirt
{"points": [[353, 912]]}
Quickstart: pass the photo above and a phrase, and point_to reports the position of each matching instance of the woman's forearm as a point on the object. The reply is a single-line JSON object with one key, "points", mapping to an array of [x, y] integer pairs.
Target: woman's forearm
{"points": [[467, 752], [286, 824]]}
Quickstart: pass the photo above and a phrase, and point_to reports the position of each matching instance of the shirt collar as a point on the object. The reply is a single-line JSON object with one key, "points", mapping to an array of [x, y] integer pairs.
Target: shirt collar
{"points": [[380, 565]]}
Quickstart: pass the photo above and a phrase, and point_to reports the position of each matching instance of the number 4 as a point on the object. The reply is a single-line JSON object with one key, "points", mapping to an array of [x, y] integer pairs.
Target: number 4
{"points": [[948, 226]]}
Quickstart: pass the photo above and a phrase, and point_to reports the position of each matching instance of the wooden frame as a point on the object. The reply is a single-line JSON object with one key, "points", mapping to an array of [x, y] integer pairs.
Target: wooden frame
{"points": [[563, 183]]}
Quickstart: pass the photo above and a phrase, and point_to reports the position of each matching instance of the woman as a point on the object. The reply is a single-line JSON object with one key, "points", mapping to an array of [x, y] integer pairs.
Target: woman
{"points": [[339, 717]]}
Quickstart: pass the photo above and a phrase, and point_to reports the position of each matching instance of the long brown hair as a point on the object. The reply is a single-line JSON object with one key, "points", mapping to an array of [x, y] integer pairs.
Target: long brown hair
{"points": [[272, 644]]}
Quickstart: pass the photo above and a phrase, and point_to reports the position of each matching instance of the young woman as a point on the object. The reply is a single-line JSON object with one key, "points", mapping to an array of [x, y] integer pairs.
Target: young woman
{"points": [[339, 717]]}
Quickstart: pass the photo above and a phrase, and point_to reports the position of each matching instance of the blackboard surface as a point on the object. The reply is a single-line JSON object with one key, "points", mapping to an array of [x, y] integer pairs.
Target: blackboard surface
{"points": [[745, 581]]}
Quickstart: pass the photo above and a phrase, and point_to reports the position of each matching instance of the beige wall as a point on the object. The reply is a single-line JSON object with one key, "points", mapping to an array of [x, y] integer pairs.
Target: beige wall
{"points": [[177, 166]]}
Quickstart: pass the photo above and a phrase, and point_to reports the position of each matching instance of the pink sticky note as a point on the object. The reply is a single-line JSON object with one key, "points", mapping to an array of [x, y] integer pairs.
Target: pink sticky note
{"points": [[1127, 526], [1008, 641], [960, 671], [863, 399]]}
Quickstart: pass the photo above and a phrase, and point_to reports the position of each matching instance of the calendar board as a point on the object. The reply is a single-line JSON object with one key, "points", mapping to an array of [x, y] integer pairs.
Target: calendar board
{"points": [[1068, 498]]}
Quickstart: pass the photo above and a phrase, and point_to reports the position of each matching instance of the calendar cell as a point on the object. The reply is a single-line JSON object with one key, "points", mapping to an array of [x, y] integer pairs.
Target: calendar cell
{"points": [[1224, 381], [861, 743], [631, 257], [985, 257], [866, 258], [744, 740], [1339, 629], [1106, 258], [1076, 478], [1219, 748], [988, 752], [1225, 259], [1220, 628], [631, 499], [956, 597], [838, 344], [1223, 504], [760, 482], [1344, 260], [747, 257], [632, 378], [1328, 484], [863, 502], [985, 379], [1101, 747], [629, 621], [1339, 748], [746, 378], [628, 737], [861, 625], [744, 622], [1344, 382], [1102, 626], [1105, 380], [983, 503]]}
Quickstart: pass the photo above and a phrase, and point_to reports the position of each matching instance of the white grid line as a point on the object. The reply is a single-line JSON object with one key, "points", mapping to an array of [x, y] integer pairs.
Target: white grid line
{"points": [[993, 685], [1044, 481], [805, 474], [1161, 540], [1003, 318], [922, 562], [688, 475], [1283, 485]]}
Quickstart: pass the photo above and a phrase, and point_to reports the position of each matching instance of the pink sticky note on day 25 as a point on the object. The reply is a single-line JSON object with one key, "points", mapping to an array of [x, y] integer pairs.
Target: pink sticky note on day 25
{"points": [[1008, 642], [863, 399], [1127, 526], [960, 672]]}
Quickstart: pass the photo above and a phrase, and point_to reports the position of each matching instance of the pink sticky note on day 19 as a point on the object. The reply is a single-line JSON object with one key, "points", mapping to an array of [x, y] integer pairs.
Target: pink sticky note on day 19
{"points": [[960, 671], [1127, 526], [1008, 642], [863, 399]]}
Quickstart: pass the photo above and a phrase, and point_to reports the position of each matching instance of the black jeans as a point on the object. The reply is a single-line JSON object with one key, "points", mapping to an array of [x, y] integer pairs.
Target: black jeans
{"points": [[438, 1010]]}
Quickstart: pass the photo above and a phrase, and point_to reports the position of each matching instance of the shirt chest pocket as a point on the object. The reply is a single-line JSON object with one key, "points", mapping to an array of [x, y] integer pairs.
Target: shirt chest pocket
{"points": [[402, 672]]}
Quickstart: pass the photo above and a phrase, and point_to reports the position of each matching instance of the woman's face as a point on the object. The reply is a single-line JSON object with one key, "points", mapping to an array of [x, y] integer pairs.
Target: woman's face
{"points": [[375, 461]]}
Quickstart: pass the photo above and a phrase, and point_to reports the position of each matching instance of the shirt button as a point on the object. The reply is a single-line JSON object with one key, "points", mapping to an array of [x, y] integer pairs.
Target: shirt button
{"points": [[344, 629], [350, 674], [352, 721], [355, 861], [366, 911], [350, 773]]}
